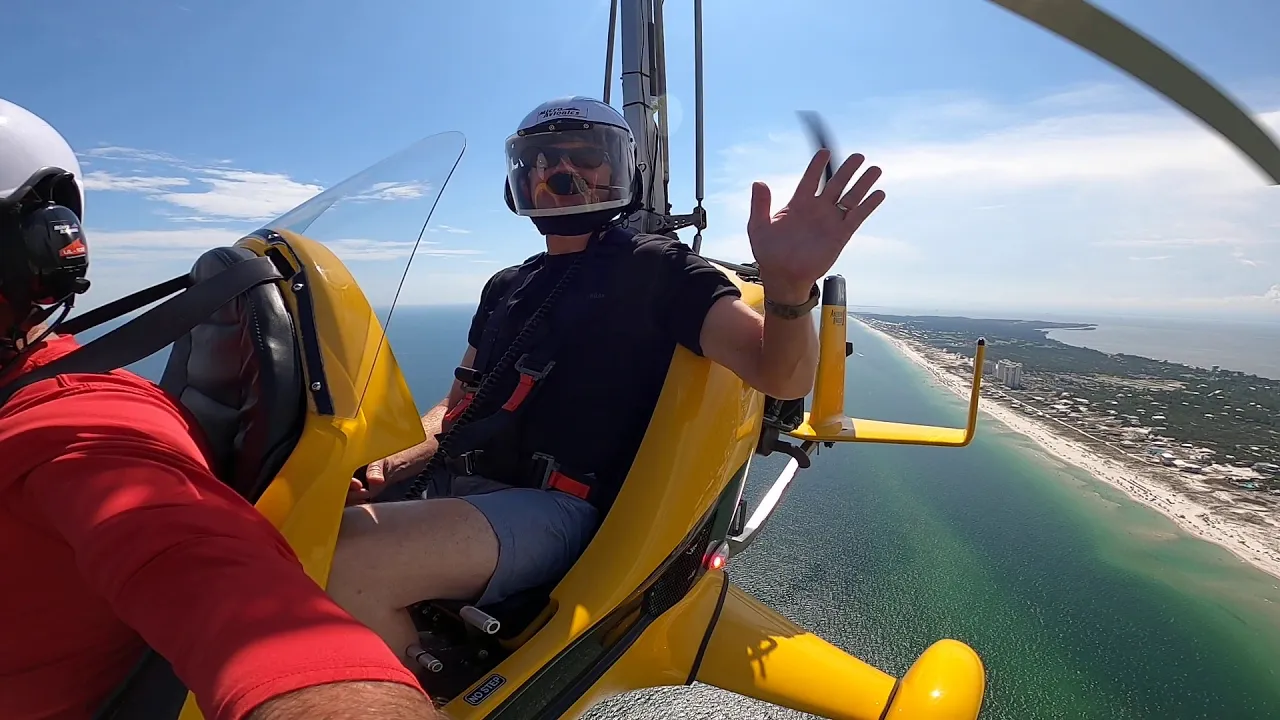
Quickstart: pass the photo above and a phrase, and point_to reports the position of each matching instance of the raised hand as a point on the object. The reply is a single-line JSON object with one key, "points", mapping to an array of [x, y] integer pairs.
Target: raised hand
{"points": [[797, 245]]}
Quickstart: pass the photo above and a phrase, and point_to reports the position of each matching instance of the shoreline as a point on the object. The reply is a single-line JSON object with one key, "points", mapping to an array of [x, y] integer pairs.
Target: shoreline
{"points": [[1165, 491]]}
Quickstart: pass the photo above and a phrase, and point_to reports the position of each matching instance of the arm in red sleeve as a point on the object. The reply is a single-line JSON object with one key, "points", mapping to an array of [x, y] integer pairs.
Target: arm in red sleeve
{"points": [[186, 562]]}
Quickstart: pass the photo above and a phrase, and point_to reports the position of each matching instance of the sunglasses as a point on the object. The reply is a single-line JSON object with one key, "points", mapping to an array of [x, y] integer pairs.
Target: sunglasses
{"points": [[586, 157]]}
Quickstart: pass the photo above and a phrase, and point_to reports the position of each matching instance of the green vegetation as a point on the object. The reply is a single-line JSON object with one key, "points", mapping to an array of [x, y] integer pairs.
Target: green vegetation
{"points": [[1234, 414]]}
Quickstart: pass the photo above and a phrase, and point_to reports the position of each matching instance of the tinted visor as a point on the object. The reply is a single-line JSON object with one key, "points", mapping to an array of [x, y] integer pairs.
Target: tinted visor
{"points": [[570, 167]]}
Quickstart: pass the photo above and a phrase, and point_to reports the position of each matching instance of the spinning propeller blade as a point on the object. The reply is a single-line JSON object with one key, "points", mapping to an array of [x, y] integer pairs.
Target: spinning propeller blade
{"points": [[1092, 29], [821, 139], [1106, 37]]}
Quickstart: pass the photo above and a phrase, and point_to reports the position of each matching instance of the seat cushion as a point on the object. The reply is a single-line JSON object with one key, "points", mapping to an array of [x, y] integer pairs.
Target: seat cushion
{"points": [[240, 374]]}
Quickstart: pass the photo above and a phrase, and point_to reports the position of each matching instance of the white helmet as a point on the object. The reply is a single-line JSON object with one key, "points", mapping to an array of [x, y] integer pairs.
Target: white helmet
{"points": [[571, 156], [28, 145]]}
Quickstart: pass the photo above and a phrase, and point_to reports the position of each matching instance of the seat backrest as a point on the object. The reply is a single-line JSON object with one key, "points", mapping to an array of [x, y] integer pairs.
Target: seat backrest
{"points": [[240, 374]]}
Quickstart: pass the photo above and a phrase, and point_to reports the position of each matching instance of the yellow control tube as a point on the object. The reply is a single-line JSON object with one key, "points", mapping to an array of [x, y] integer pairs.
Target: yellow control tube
{"points": [[828, 387]]}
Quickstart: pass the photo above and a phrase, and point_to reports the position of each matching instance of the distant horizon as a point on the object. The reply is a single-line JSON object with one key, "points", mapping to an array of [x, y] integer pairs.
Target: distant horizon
{"points": [[1064, 314]]}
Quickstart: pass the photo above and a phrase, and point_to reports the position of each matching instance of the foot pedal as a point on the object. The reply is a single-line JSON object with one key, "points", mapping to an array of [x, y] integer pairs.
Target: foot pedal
{"points": [[480, 620]]}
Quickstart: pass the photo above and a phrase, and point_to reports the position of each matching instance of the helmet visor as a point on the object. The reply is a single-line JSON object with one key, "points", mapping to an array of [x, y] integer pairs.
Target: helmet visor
{"points": [[570, 167]]}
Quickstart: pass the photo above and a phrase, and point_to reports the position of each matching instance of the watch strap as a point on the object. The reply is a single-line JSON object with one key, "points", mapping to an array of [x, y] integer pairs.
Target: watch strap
{"points": [[792, 312]]}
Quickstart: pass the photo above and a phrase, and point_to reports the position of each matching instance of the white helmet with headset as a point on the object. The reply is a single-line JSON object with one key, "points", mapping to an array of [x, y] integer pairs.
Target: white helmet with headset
{"points": [[28, 144], [43, 255], [571, 166]]}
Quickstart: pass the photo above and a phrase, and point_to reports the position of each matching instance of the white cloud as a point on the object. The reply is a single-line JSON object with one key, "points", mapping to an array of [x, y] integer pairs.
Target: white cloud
{"points": [[189, 243], [450, 229], [392, 191], [102, 180], [216, 191], [1049, 202], [1168, 242], [116, 152], [243, 194], [157, 245], [124, 262], [208, 204], [357, 250]]}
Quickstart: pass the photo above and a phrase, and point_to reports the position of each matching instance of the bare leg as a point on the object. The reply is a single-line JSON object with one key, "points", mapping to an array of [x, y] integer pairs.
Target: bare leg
{"points": [[392, 555]]}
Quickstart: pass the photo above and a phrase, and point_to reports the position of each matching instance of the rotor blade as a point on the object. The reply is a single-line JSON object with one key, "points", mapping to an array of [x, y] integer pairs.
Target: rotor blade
{"points": [[1108, 38], [821, 138]]}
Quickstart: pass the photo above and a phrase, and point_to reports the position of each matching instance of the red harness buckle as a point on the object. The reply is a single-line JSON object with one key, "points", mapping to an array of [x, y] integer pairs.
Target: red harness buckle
{"points": [[523, 388], [564, 483], [457, 410], [528, 378]]}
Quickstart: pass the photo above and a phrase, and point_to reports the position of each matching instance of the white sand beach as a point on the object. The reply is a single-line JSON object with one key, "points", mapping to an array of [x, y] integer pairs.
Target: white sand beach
{"points": [[1249, 531]]}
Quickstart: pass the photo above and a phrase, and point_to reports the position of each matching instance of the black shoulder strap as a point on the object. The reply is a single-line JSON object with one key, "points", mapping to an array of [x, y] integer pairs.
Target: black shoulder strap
{"points": [[498, 316], [568, 317], [564, 320], [610, 241], [125, 305], [157, 328]]}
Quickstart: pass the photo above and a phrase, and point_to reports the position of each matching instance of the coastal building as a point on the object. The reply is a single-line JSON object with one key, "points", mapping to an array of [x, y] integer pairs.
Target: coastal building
{"points": [[1009, 373]]}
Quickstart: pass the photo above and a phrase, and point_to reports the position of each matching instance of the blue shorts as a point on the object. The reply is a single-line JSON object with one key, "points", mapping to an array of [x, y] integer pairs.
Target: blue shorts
{"points": [[541, 533]]}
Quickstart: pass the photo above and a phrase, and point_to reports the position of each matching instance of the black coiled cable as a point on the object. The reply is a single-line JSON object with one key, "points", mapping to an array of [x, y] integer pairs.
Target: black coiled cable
{"points": [[513, 353]]}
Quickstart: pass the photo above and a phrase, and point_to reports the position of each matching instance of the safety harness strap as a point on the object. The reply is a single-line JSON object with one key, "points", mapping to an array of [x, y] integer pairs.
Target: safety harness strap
{"points": [[498, 318], [157, 328], [152, 690], [563, 321], [541, 471]]}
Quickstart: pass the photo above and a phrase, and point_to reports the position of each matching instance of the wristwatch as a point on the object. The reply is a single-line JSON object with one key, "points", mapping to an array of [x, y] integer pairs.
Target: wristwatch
{"points": [[792, 312]]}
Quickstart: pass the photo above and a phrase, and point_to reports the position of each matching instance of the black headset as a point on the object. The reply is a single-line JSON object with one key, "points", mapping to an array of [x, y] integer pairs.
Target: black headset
{"points": [[43, 254]]}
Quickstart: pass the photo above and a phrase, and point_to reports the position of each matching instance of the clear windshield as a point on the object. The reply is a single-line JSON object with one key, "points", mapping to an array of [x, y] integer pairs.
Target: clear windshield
{"points": [[375, 222]]}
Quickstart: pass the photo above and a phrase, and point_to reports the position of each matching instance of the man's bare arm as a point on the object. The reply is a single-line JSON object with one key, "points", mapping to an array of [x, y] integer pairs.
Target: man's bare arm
{"points": [[408, 463], [349, 701], [778, 357]]}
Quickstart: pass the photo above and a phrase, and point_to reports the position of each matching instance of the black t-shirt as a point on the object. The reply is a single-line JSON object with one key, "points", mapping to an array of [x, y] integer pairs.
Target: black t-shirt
{"points": [[593, 409]]}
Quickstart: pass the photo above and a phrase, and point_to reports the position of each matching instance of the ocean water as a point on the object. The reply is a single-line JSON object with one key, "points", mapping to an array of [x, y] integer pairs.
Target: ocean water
{"points": [[1250, 347], [1081, 603]]}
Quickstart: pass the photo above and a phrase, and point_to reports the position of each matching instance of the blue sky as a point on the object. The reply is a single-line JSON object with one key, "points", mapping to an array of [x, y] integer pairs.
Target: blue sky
{"points": [[1022, 174]]}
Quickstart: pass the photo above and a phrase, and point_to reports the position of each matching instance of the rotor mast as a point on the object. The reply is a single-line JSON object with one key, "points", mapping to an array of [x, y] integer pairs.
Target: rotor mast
{"points": [[644, 105]]}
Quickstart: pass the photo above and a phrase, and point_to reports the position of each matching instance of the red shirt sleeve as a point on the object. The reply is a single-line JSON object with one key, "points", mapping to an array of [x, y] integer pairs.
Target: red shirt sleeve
{"points": [[182, 559]]}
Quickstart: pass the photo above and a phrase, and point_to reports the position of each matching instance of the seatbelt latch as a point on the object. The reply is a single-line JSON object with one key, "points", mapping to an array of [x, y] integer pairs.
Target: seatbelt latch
{"points": [[528, 378], [553, 479]]}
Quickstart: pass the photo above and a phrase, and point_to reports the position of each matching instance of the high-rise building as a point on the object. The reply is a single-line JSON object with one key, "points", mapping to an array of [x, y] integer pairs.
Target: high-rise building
{"points": [[1009, 373]]}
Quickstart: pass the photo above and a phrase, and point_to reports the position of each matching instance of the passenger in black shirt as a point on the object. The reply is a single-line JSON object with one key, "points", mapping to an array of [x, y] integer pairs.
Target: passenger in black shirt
{"points": [[515, 511], [607, 374]]}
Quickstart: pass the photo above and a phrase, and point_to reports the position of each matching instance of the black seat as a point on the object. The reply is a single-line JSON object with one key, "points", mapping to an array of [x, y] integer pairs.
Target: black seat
{"points": [[240, 375]]}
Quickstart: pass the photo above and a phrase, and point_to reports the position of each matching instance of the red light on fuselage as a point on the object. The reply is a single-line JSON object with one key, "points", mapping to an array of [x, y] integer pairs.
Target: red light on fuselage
{"points": [[718, 557]]}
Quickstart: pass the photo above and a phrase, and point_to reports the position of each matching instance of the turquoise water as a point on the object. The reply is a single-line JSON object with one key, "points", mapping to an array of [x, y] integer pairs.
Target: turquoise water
{"points": [[1081, 603]]}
